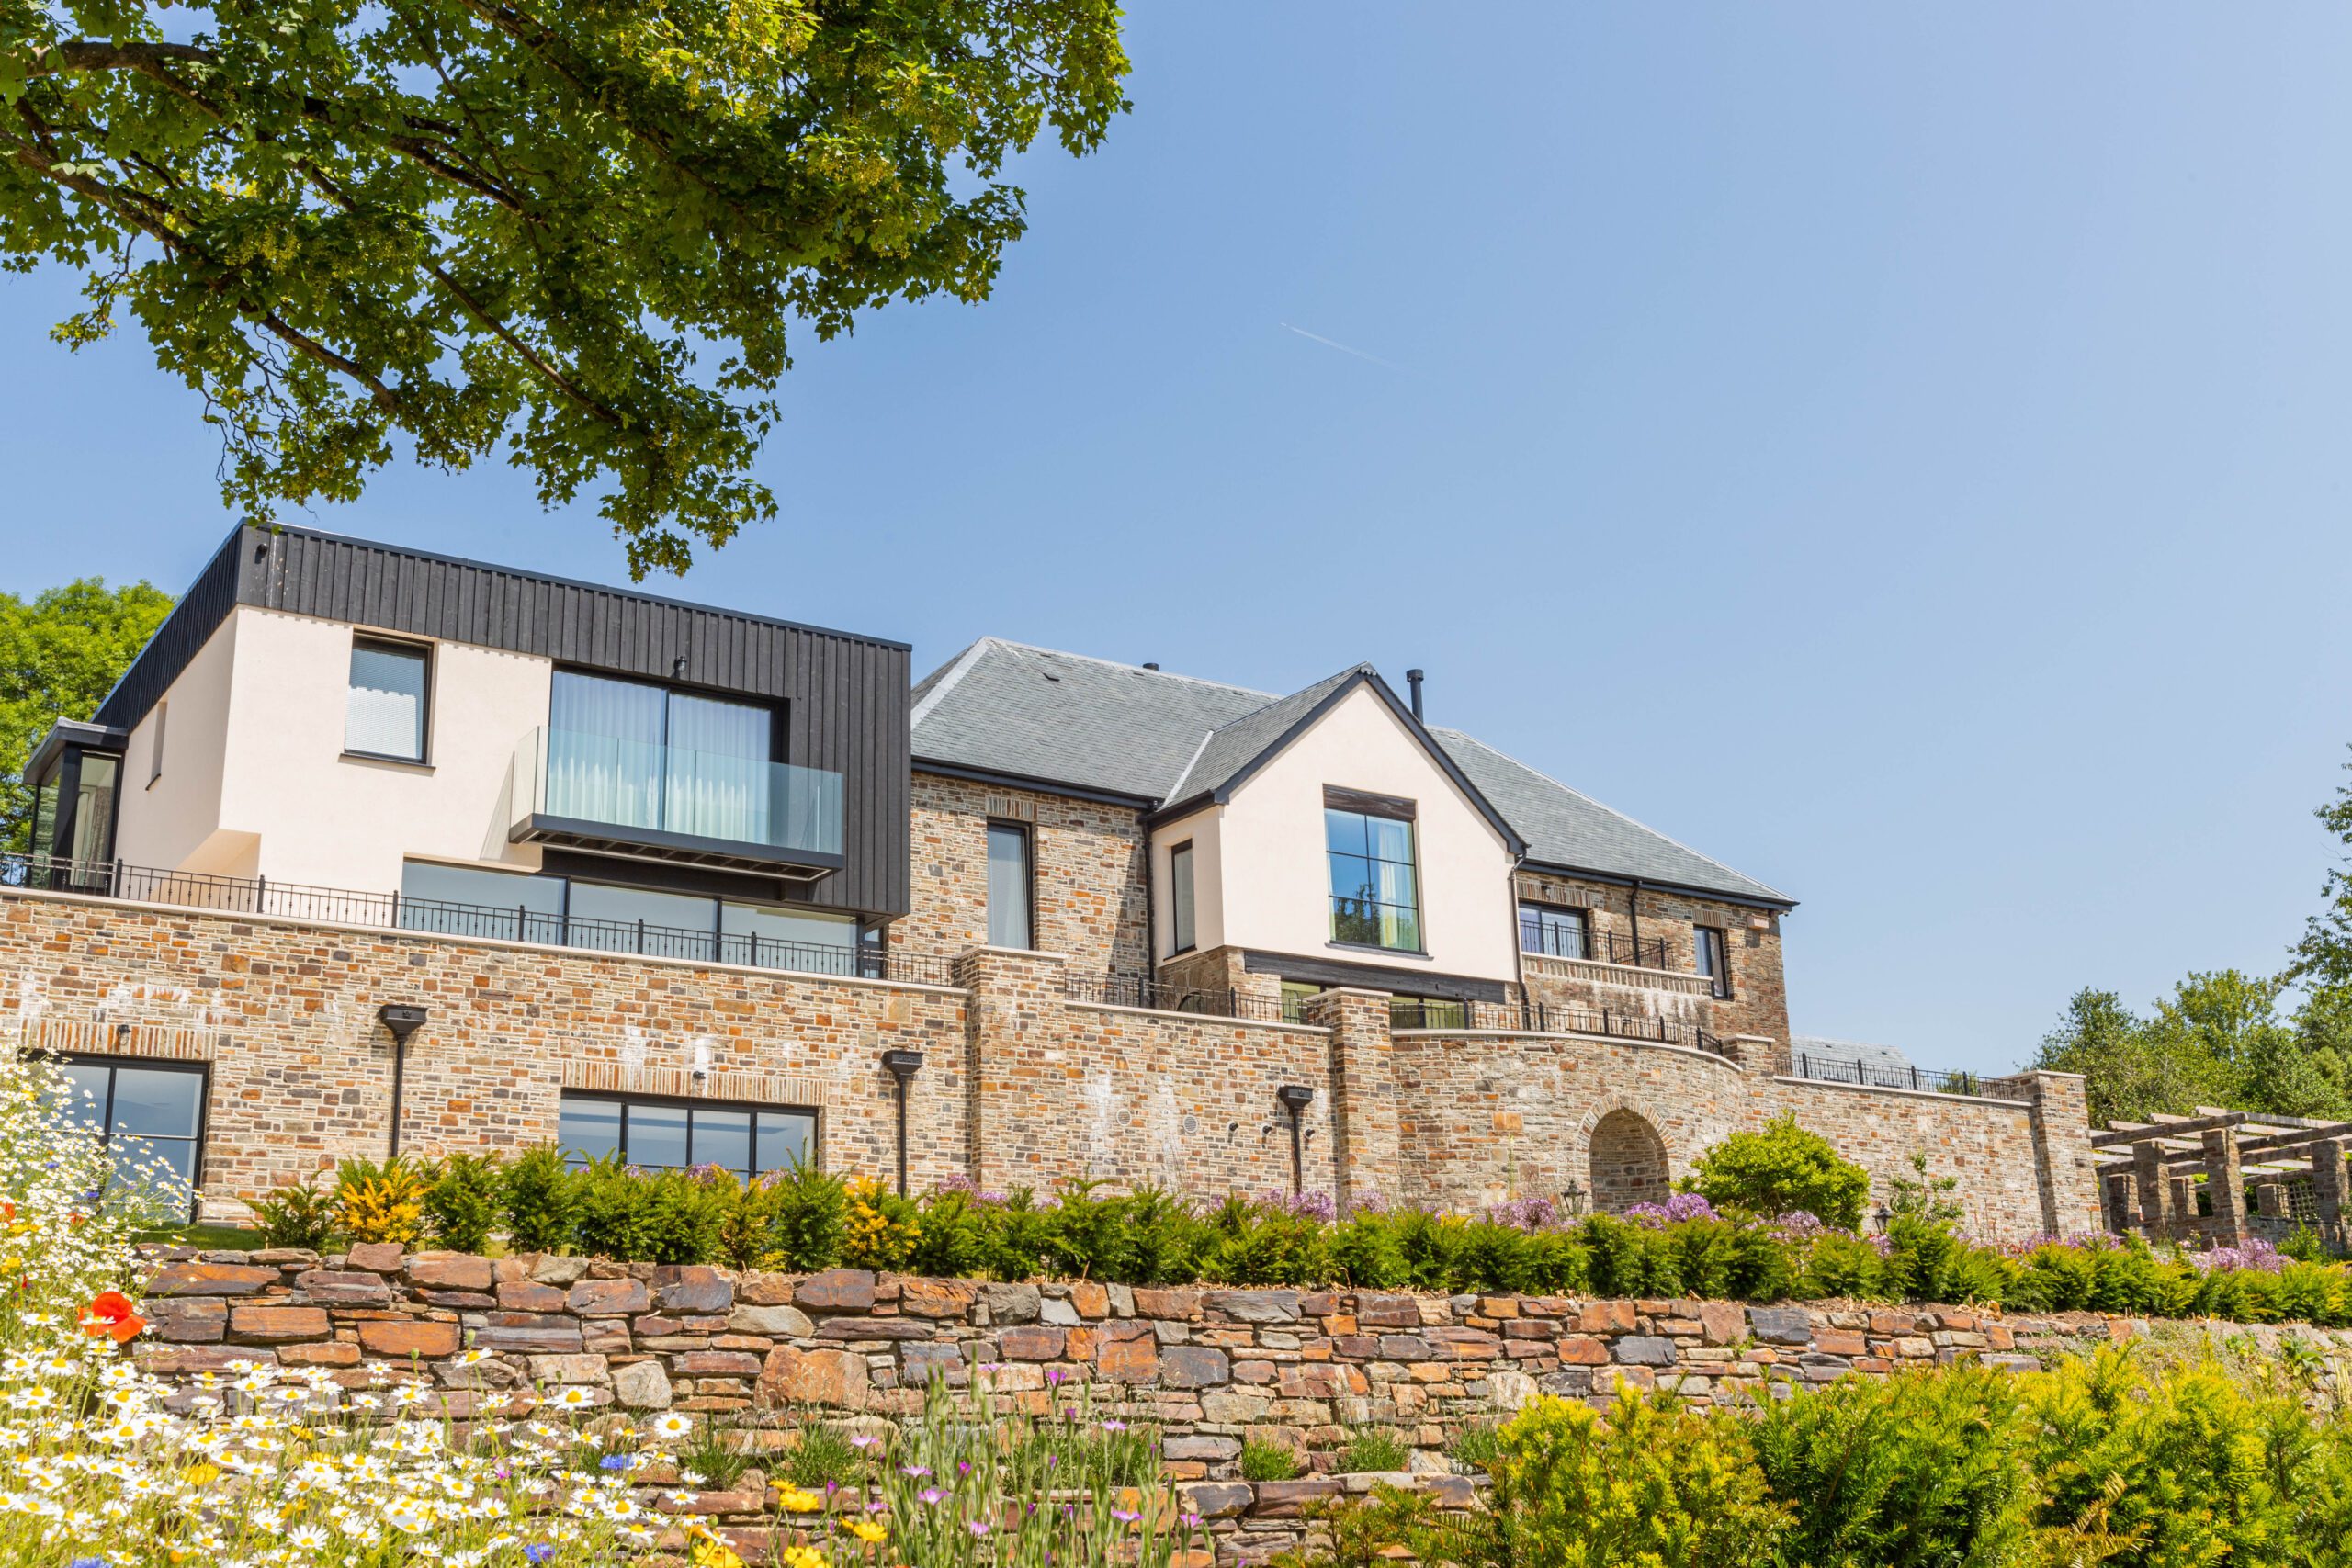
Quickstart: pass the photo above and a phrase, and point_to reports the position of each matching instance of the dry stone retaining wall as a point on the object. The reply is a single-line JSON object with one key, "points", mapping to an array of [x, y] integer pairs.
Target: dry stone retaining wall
{"points": [[1210, 1369]]}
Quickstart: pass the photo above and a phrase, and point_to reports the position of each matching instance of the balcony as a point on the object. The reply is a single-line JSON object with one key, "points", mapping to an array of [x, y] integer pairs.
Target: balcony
{"points": [[606, 796], [1607, 958]]}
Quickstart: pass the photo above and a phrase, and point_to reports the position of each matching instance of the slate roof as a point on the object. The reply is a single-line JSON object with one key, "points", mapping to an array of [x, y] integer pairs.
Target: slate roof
{"points": [[1883, 1061], [1007, 708]]}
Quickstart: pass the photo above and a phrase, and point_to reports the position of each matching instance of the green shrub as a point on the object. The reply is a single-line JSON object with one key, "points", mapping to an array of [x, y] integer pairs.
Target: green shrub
{"points": [[1782, 1169], [1265, 1460], [708, 1453], [811, 1216], [1475, 1446], [300, 1215], [537, 1192], [1651, 1484], [879, 1228], [953, 1241], [380, 1203], [824, 1456], [1374, 1449], [747, 1220], [1919, 1470], [461, 1203], [666, 1216]]}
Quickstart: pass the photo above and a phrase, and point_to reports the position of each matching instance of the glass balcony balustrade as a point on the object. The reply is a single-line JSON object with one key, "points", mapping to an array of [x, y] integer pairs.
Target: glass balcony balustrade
{"points": [[671, 801]]}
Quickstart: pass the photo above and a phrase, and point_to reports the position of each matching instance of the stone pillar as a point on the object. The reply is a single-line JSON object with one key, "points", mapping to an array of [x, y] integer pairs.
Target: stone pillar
{"points": [[2157, 1207], [2270, 1200], [1366, 1125], [1018, 1100], [2117, 1190], [1757, 1054], [2225, 1187], [2064, 1167], [2328, 1188], [2185, 1217]]}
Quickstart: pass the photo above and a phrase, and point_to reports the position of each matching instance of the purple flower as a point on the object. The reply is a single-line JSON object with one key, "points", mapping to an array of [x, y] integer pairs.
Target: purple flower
{"points": [[2254, 1254], [616, 1461], [1525, 1213], [976, 1528], [929, 1496], [1674, 1211], [1300, 1206], [539, 1551], [914, 1470]]}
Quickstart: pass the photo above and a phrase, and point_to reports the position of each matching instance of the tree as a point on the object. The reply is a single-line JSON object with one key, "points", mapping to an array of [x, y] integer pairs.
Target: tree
{"points": [[1780, 1169], [2323, 957], [441, 223], [2217, 1040], [58, 656]]}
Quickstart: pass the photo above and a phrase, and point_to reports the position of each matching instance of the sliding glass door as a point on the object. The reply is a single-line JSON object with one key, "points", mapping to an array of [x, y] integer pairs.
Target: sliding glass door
{"points": [[643, 756]]}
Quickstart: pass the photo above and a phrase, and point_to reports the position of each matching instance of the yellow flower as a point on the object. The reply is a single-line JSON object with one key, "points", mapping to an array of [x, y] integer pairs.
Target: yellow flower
{"points": [[803, 1557], [710, 1551], [793, 1500], [868, 1531], [201, 1474]]}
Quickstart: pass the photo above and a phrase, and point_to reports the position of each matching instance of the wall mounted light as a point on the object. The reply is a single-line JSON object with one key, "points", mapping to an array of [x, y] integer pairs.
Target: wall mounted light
{"points": [[1572, 1197], [903, 1065], [403, 1019], [1295, 1099]]}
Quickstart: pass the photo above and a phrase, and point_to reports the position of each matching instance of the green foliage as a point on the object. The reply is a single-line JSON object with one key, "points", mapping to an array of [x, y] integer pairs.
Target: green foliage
{"points": [[747, 1222], [1374, 1449], [380, 1203], [461, 1202], [662, 1216], [355, 231], [1651, 1484], [811, 1217], [1923, 1198], [824, 1456], [1364, 1532], [1475, 1446], [879, 1228], [60, 655], [708, 1452], [1920, 1471], [1263, 1460], [536, 1192], [1780, 1169], [2217, 1039], [300, 1215]]}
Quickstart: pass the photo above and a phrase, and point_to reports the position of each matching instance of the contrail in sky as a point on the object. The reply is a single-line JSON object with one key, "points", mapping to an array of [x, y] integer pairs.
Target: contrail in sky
{"points": [[1343, 348]]}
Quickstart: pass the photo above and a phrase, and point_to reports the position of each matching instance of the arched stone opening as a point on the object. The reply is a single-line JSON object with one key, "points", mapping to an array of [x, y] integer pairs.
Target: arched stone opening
{"points": [[1628, 1163]]}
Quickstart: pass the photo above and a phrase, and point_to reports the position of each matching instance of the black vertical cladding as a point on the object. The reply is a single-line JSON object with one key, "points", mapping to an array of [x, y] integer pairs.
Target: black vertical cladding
{"points": [[844, 697]]}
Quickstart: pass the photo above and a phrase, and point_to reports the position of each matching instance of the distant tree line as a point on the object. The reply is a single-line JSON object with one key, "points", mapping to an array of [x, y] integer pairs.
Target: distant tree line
{"points": [[2281, 1043]]}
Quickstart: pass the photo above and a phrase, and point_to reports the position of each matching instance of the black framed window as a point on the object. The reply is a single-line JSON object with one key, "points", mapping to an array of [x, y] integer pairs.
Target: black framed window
{"points": [[673, 1134], [1554, 933], [1375, 887], [1179, 896], [1713, 955], [387, 713], [1011, 885], [147, 1113]]}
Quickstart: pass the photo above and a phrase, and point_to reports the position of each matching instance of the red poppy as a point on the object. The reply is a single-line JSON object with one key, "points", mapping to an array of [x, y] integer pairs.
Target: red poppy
{"points": [[111, 1314]]}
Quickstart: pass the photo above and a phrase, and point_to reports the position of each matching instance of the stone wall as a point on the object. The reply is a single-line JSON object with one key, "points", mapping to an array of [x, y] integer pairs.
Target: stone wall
{"points": [[1090, 859], [1022, 1084], [1490, 1114], [1210, 1369], [284, 1015]]}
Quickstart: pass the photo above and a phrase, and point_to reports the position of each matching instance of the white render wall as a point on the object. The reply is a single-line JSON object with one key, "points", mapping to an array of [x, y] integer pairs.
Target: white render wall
{"points": [[266, 789], [1262, 881]]}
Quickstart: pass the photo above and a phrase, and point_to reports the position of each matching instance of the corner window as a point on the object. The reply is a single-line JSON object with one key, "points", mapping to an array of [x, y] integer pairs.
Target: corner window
{"points": [[386, 716], [148, 1114], [155, 747], [668, 1134], [1011, 885], [1553, 933], [1376, 890], [93, 827], [1180, 895], [1714, 957]]}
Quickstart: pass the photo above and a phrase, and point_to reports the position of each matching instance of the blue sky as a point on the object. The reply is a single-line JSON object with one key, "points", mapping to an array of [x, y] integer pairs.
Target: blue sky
{"points": [[1896, 450]]}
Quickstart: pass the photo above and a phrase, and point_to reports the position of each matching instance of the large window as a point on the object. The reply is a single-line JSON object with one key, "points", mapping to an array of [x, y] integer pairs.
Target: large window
{"points": [[1010, 887], [1713, 955], [93, 839], [149, 1115], [1376, 892], [1179, 896], [749, 1140], [644, 756], [387, 712], [1554, 933]]}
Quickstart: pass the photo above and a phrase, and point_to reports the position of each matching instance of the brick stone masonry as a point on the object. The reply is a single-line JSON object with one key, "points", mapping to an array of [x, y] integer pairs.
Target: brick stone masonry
{"points": [[1209, 1369], [1021, 1084]]}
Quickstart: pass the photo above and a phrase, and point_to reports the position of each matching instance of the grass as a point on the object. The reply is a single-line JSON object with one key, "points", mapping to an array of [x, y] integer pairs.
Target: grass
{"points": [[1375, 1449], [1263, 1461], [707, 1453], [1475, 1446], [822, 1456]]}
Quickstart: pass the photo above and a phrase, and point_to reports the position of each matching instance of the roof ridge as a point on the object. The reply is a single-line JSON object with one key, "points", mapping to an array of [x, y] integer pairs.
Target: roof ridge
{"points": [[1176, 790], [1136, 668], [1621, 817], [948, 674], [1286, 696]]}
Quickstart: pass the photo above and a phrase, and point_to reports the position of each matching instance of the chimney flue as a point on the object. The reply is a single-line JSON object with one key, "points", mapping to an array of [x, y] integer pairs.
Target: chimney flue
{"points": [[1413, 679], [1150, 664]]}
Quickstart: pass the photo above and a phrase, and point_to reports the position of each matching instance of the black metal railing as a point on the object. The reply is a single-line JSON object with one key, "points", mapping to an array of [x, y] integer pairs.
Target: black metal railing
{"points": [[1926, 1081], [338, 905], [1598, 947], [1159, 996]]}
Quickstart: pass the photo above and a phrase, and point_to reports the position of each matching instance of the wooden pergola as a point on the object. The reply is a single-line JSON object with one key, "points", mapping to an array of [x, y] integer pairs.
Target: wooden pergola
{"points": [[2148, 1172]]}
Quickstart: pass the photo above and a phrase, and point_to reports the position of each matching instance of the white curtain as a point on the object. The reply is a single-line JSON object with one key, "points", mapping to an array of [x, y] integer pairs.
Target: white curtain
{"points": [[605, 750], [719, 772]]}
